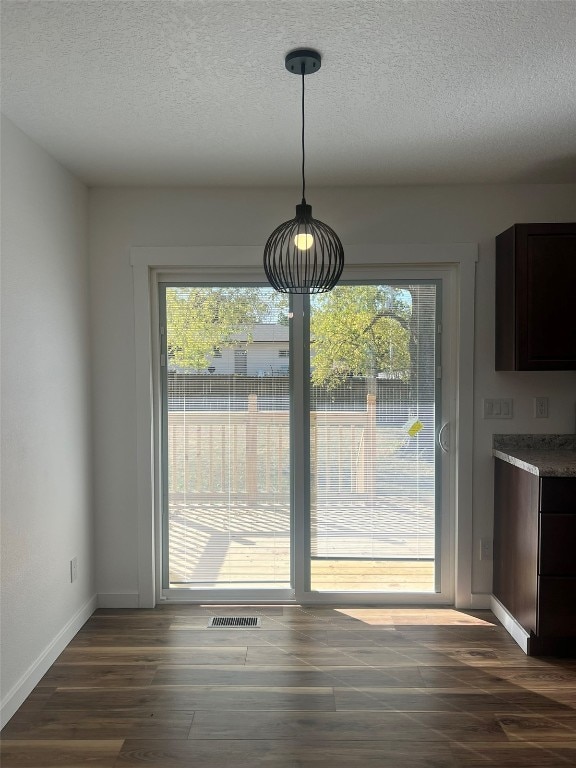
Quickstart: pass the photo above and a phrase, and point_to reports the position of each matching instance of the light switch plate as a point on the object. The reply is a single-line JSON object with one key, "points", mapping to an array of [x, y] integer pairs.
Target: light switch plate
{"points": [[497, 408]]}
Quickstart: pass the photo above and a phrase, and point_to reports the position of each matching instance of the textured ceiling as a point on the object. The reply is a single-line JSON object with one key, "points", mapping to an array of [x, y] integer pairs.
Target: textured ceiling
{"points": [[195, 92]]}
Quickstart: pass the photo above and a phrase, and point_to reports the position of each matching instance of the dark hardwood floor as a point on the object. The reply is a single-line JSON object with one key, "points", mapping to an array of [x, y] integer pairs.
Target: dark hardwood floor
{"points": [[317, 687]]}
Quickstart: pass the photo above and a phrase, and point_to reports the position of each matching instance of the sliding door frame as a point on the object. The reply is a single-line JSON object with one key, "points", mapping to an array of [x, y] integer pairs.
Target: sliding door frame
{"points": [[445, 386], [222, 593], [228, 264]]}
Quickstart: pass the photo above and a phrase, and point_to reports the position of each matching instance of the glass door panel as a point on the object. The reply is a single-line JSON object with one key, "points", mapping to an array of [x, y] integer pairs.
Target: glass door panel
{"points": [[226, 438], [373, 412]]}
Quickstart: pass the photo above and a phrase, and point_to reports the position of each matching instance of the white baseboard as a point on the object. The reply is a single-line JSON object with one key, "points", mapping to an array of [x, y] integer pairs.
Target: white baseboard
{"points": [[118, 600], [23, 687], [517, 632]]}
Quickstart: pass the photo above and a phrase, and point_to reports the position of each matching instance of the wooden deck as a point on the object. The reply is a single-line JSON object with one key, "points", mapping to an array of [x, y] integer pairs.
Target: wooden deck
{"points": [[373, 502], [372, 576], [382, 547]]}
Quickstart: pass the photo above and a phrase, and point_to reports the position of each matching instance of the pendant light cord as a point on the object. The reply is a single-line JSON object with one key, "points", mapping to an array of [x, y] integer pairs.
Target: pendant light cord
{"points": [[303, 151]]}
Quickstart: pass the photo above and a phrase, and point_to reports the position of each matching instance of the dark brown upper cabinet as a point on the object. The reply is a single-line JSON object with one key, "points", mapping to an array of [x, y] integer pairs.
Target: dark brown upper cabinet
{"points": [[536, 298]]}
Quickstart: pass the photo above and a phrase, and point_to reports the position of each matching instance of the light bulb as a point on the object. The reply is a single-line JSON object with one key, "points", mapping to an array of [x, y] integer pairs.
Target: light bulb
{"points": [[303, 241]]}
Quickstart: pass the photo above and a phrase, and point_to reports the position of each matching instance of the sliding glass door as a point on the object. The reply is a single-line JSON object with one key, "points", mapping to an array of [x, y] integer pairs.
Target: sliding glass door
{"points": [[300, 459], [374, 395], [227, 520]]}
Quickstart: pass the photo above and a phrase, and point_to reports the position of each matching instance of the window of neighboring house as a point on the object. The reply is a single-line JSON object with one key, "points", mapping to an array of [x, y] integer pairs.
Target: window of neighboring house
{"points": [[240, 362]]}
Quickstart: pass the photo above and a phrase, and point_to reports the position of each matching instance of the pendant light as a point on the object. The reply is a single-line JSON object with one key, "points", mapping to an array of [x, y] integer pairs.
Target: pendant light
{"points": [[303, 255]]}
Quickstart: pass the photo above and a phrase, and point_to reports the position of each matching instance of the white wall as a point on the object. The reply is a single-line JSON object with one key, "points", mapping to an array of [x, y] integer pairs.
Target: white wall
{"points": [[46, 415], [121, 218]]}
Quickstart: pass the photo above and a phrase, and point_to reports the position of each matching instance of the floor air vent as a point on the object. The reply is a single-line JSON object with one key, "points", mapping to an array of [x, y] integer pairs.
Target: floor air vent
{"points": [[237, 622]]}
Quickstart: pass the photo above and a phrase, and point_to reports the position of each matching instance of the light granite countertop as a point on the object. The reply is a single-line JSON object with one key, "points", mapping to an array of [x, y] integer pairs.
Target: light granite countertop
{"points": [[543, 455]]}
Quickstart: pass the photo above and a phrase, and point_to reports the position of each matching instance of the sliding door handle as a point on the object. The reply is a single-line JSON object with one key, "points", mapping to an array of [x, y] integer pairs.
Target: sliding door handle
{"points": [[444, 437]]}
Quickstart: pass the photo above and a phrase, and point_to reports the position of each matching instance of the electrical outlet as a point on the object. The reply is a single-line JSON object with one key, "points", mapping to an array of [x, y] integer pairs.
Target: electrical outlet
{"points": [[485, 549], [541, 407], [73, 569]]}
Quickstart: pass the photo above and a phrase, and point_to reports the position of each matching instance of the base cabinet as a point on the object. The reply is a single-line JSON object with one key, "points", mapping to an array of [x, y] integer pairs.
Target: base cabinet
{"points": [[535, 556]]}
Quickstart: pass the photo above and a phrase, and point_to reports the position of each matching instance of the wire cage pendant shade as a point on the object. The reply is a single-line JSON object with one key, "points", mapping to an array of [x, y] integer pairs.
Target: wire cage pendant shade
{"points": [[303, 255]]}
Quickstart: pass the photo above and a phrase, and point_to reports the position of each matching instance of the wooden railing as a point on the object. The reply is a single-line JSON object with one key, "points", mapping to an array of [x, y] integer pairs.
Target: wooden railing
{"points": [[247, 452]]}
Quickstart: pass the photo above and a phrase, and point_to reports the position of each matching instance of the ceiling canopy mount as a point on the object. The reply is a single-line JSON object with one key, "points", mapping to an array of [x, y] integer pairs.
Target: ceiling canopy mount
{"points": [[303, 61]]}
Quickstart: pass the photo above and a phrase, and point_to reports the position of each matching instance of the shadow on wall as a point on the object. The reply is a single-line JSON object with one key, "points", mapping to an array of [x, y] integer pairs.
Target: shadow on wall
{"points": [[560, 170]]}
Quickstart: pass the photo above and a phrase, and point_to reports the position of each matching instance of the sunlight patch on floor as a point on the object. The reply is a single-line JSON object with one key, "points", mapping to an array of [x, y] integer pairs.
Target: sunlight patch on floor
{"points": [[414, 616]]}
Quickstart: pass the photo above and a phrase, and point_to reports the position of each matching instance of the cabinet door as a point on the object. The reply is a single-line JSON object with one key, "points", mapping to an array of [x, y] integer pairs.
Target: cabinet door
{"points": [[545, 298], [516, 494]]}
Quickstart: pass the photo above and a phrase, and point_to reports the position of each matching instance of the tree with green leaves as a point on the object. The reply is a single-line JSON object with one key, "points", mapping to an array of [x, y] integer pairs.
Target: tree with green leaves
{"points": [[360, 331], [357, 330], [201, 320]]}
